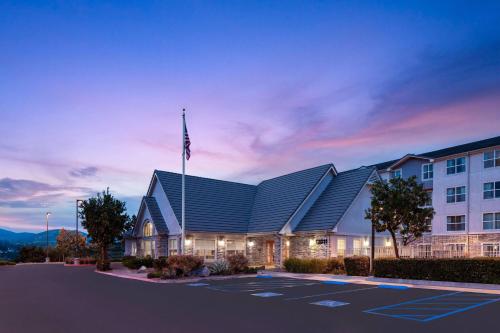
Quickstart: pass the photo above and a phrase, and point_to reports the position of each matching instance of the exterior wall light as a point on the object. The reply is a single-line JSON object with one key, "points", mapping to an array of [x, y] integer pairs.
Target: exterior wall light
{"points": [[188, 241], [366, 243], [312, 242], [287, 243], [251, 243], [221, 242], [388, 242]]}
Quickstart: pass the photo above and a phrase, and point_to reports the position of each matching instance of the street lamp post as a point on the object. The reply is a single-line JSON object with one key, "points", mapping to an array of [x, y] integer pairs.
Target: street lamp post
{"points": [[47, 259]]}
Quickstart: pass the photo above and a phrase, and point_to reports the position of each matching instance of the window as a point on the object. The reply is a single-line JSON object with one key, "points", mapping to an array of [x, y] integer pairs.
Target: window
{"points": [[235, 247], [491, 159], [424, 251], [356, 244], [397, 173], [428, 221], [133, 249], [455, 250], [455, 165], [427, 171], [148, 248], [148, 229], [428, 203], [455, 194], [491, 249], [204, 248], [172, 247], [491, 190], [491, 221], [455, 223], [341, 246]]}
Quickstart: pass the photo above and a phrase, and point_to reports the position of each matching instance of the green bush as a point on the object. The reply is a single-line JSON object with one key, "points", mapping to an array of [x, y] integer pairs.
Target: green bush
{"points": [[155, 275], [136, 263], [318, 266], [6, 263], [357, 265], [160, 264], [219, 267], [473, 270], [238, 263], [32, 254]]}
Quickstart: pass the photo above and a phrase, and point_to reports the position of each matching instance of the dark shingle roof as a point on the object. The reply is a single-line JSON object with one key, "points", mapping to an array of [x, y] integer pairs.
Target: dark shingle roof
{"points": [[278, 198], [211, 205], [335, 200], [154, 210], [450, 151]]}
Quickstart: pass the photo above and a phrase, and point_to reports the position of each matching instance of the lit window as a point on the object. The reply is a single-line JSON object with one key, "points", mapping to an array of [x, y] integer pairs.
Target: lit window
{"points": [[424, 251], [397, 173], [491, 249], [148, 229], [427, 171], [455, 165], [235, 247], [455, 194], [455, 223], [172, 247], [491, 221], [491, 190], [341, 247], [491, 159], [204, 248], [455, 250]]}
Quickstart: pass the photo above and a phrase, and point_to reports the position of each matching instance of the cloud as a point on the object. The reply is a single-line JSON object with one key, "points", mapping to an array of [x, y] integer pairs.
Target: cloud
{"points": [[84, 172]]}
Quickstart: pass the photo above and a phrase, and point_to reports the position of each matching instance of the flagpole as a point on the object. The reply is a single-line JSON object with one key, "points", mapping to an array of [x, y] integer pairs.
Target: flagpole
{"points": [[183, 224]]}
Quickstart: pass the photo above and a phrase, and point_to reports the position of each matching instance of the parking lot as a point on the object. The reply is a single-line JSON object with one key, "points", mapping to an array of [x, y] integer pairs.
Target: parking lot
{"points": [[52, 298]]}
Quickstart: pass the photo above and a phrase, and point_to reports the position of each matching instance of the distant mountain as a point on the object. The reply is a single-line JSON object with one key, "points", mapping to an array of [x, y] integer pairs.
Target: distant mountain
{"points": [[25, 238]]}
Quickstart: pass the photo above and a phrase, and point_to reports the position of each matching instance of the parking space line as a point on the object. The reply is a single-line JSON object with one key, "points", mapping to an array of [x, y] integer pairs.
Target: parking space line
{"points": [[260, 285], [428, 313], [330, 293]]}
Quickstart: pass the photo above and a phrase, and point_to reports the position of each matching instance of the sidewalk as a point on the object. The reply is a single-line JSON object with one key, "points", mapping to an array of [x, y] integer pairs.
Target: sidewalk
{"points": [[422, 284]]}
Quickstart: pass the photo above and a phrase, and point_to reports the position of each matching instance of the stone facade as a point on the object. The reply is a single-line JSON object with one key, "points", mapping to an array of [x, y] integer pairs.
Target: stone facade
{"points": [[310, 246]]}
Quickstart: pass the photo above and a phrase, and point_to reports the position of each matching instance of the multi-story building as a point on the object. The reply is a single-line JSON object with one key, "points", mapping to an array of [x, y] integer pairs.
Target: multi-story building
{"points": [[320, 212], [465, 185]]}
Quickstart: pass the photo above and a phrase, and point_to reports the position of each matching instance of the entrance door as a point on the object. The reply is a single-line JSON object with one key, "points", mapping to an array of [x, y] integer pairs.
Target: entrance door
{"points": [[270, 252]]}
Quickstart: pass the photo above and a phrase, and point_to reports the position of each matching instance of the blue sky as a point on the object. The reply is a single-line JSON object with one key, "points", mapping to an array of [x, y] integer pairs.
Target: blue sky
{"points": [[91, 91]]}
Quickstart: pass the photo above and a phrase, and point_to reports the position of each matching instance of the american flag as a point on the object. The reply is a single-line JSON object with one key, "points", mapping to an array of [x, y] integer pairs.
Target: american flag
{"points": [[187, 142]]}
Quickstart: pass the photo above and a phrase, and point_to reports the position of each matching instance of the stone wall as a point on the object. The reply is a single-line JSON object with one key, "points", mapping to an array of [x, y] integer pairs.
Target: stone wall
{"points": [[309, 246]]}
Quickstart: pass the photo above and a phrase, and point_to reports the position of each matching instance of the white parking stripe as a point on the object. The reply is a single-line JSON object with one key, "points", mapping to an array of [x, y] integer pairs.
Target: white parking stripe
{"points": [[331, 293]]}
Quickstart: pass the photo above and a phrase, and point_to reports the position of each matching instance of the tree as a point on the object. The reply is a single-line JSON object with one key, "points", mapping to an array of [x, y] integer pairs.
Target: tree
{"points": [[398, 206], [68, 242], [104, 217]]}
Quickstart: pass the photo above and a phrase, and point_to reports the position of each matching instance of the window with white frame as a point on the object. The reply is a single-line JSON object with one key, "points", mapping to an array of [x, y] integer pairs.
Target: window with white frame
{"points": [[235, 247], [398, 173], [455, 194], [172, 247], [455, 223], [428, 203], [427, 171], [424, 251], [204, 248], [491, 159], [341, 246], [133, 249], [455, 250], [491, 221], [491, 190], [491, 249], [455, 165]]}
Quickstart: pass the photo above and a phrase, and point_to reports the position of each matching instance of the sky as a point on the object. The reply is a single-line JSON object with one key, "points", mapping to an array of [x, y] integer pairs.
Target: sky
{"points": [[91, 92]]}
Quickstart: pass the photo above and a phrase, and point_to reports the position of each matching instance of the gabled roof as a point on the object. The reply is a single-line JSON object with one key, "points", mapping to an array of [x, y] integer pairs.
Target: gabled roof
{"points": [[471, 146], [335, 200], [406, 158], [211, 205], [277, 199], [154, 210]]}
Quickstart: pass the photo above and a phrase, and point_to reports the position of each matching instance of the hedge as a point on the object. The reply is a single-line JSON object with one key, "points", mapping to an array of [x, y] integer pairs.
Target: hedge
{"points": [[474, 270], [357, 265], [318, 266], [136, 263], [6, 263]]}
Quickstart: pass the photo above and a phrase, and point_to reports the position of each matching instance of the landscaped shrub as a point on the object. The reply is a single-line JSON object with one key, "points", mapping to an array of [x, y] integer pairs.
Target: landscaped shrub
{"points": [[238, 263], [474, 270], [6, 263], [317, 266], [254, 269], [160, 264], [219, 267], [136, 263], [357, 265], [183, 265], [83, 261], [155, 275], [32, 254]]}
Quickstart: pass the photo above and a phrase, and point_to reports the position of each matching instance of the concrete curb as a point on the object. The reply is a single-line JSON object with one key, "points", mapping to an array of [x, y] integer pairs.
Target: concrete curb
{"points": [[435, 285]]}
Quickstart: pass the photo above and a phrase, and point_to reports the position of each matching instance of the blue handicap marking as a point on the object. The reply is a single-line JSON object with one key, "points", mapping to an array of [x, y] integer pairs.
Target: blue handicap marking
{"points": [[335, 282], [199, 284], [329, 303], [264, 276], [392, 286], [436, 307], [268, 294]]}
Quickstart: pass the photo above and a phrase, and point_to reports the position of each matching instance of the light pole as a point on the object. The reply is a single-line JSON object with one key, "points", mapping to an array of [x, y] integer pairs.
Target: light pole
{"points": [[77, 238], [47, 259]]}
